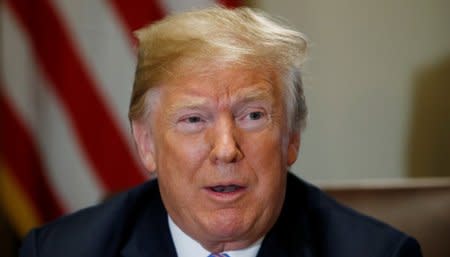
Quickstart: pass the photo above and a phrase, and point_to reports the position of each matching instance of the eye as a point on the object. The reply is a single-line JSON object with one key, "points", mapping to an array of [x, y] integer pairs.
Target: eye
{"points": [[255, 115], [253, 119], [191, 124], [193, 119]]}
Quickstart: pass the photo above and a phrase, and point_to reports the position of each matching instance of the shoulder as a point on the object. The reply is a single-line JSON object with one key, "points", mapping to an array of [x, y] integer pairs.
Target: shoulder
{"points": [[91, 231], [335, 228]]}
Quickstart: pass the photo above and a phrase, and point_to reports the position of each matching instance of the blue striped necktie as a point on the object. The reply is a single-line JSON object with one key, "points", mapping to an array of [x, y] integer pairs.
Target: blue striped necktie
{"points": [[219, 255]]}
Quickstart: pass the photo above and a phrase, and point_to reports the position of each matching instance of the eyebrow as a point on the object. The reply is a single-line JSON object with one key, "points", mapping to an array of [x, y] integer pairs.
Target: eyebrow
{"points": [[251, 94], [248, 95], [188, 103]]}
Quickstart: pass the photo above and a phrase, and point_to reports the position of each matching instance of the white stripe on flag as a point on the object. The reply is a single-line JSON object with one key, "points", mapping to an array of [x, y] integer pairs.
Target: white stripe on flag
{"points": [[174, 6], [68, 172], [104, 46]]}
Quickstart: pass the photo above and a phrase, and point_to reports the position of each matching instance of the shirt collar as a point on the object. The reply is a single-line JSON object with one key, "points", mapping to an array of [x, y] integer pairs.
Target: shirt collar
{"points": [[187, 247]]}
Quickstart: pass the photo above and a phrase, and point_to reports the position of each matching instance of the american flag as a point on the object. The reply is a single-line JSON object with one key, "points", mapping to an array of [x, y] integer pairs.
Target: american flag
{"points": [[67, 69]]}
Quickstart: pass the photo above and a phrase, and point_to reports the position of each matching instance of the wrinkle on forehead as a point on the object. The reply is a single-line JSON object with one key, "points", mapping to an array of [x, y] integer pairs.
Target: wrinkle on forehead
{"points": [[188, 102], [220, 87], [253, 93], [194, 100]]}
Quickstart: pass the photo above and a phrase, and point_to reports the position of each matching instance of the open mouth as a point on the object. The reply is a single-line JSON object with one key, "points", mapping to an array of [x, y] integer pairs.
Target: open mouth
{"points": [[226, 188]]}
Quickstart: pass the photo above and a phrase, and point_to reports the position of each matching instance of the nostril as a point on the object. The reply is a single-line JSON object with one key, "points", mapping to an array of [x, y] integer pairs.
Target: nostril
{"points": [[226, 153], [225, 148]]}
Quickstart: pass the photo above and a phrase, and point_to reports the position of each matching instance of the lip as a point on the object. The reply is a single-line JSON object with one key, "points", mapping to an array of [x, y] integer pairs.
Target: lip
{"points": [[225, 196]]}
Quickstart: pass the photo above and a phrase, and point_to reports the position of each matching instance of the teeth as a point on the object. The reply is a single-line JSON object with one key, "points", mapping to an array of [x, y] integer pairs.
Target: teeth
{"points": [[225, 189], [230, 189]]}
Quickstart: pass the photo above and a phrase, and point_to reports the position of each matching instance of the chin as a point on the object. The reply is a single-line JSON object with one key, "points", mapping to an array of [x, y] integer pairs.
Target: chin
{"points": [[229, 225]]}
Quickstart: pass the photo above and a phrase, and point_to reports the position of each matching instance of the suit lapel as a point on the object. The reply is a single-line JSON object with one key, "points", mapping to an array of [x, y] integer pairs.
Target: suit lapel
{"points": [[290, 236], [150, 236]]}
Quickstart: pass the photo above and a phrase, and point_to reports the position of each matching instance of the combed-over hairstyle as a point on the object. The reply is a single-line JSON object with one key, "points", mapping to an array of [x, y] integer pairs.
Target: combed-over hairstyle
{"points": [[219, 36]]}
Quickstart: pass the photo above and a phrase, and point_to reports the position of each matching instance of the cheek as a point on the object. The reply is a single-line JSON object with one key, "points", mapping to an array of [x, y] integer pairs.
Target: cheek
{"points": [[267, 157], [181, 154], [178, 161], [265, 151]]}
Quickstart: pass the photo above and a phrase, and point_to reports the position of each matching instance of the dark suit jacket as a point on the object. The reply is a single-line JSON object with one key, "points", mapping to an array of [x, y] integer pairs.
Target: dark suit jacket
{"points": [[134, 224]]}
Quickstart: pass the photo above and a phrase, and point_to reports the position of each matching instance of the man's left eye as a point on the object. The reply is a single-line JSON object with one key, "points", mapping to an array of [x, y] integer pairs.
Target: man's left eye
{"points": [[253, 120], [255, 115]]}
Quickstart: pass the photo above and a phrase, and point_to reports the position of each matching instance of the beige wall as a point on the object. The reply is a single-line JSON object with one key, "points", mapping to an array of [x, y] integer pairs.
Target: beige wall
{"points": [[361, 79]]}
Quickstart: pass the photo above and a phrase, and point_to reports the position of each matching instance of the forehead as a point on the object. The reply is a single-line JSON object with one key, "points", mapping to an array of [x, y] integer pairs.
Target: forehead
{"points": [[227, 83]]}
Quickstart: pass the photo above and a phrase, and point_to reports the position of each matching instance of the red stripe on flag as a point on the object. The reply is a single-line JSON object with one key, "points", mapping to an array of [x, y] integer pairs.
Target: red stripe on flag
{"points": [[138, 13], [231, 3], [21, 156], [94, 125]]}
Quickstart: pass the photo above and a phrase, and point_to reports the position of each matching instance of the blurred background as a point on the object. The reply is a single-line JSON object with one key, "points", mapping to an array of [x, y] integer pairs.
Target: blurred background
{"points": [[377, 86]]}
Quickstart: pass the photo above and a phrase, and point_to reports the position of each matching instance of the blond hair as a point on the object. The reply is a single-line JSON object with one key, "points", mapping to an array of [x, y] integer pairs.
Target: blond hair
{"points": [[219, 36]]}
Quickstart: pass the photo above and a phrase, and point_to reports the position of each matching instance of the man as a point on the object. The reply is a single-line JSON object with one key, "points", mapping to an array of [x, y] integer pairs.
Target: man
{"points": [[216, 113]]}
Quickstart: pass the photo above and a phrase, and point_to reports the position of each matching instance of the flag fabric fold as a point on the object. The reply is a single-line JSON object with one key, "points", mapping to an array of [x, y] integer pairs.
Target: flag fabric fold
{"points": [[65, 80]]}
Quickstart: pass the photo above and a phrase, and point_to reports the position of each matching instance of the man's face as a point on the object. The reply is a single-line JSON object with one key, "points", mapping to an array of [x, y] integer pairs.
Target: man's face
{"points": [[221, 148]]}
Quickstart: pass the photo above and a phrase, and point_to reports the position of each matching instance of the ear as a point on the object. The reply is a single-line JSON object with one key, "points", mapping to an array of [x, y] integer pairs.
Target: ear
{"points": [[144, 144], [293, 148]]}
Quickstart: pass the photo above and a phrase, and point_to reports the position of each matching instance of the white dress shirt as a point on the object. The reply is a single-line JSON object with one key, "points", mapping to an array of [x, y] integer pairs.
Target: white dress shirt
{"points": [[185, 246]]}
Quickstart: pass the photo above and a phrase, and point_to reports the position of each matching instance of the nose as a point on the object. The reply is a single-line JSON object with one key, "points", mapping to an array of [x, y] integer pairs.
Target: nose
{"points": [[225, 148]]}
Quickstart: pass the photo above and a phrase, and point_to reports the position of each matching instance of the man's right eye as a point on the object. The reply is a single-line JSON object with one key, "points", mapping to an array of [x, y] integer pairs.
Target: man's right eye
{"points": [[191, 124], [193, 119]]}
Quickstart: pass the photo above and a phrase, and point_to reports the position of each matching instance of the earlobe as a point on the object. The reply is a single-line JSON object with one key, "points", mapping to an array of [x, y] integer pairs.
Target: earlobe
{"points": [[293, 148], [144, 145]]}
